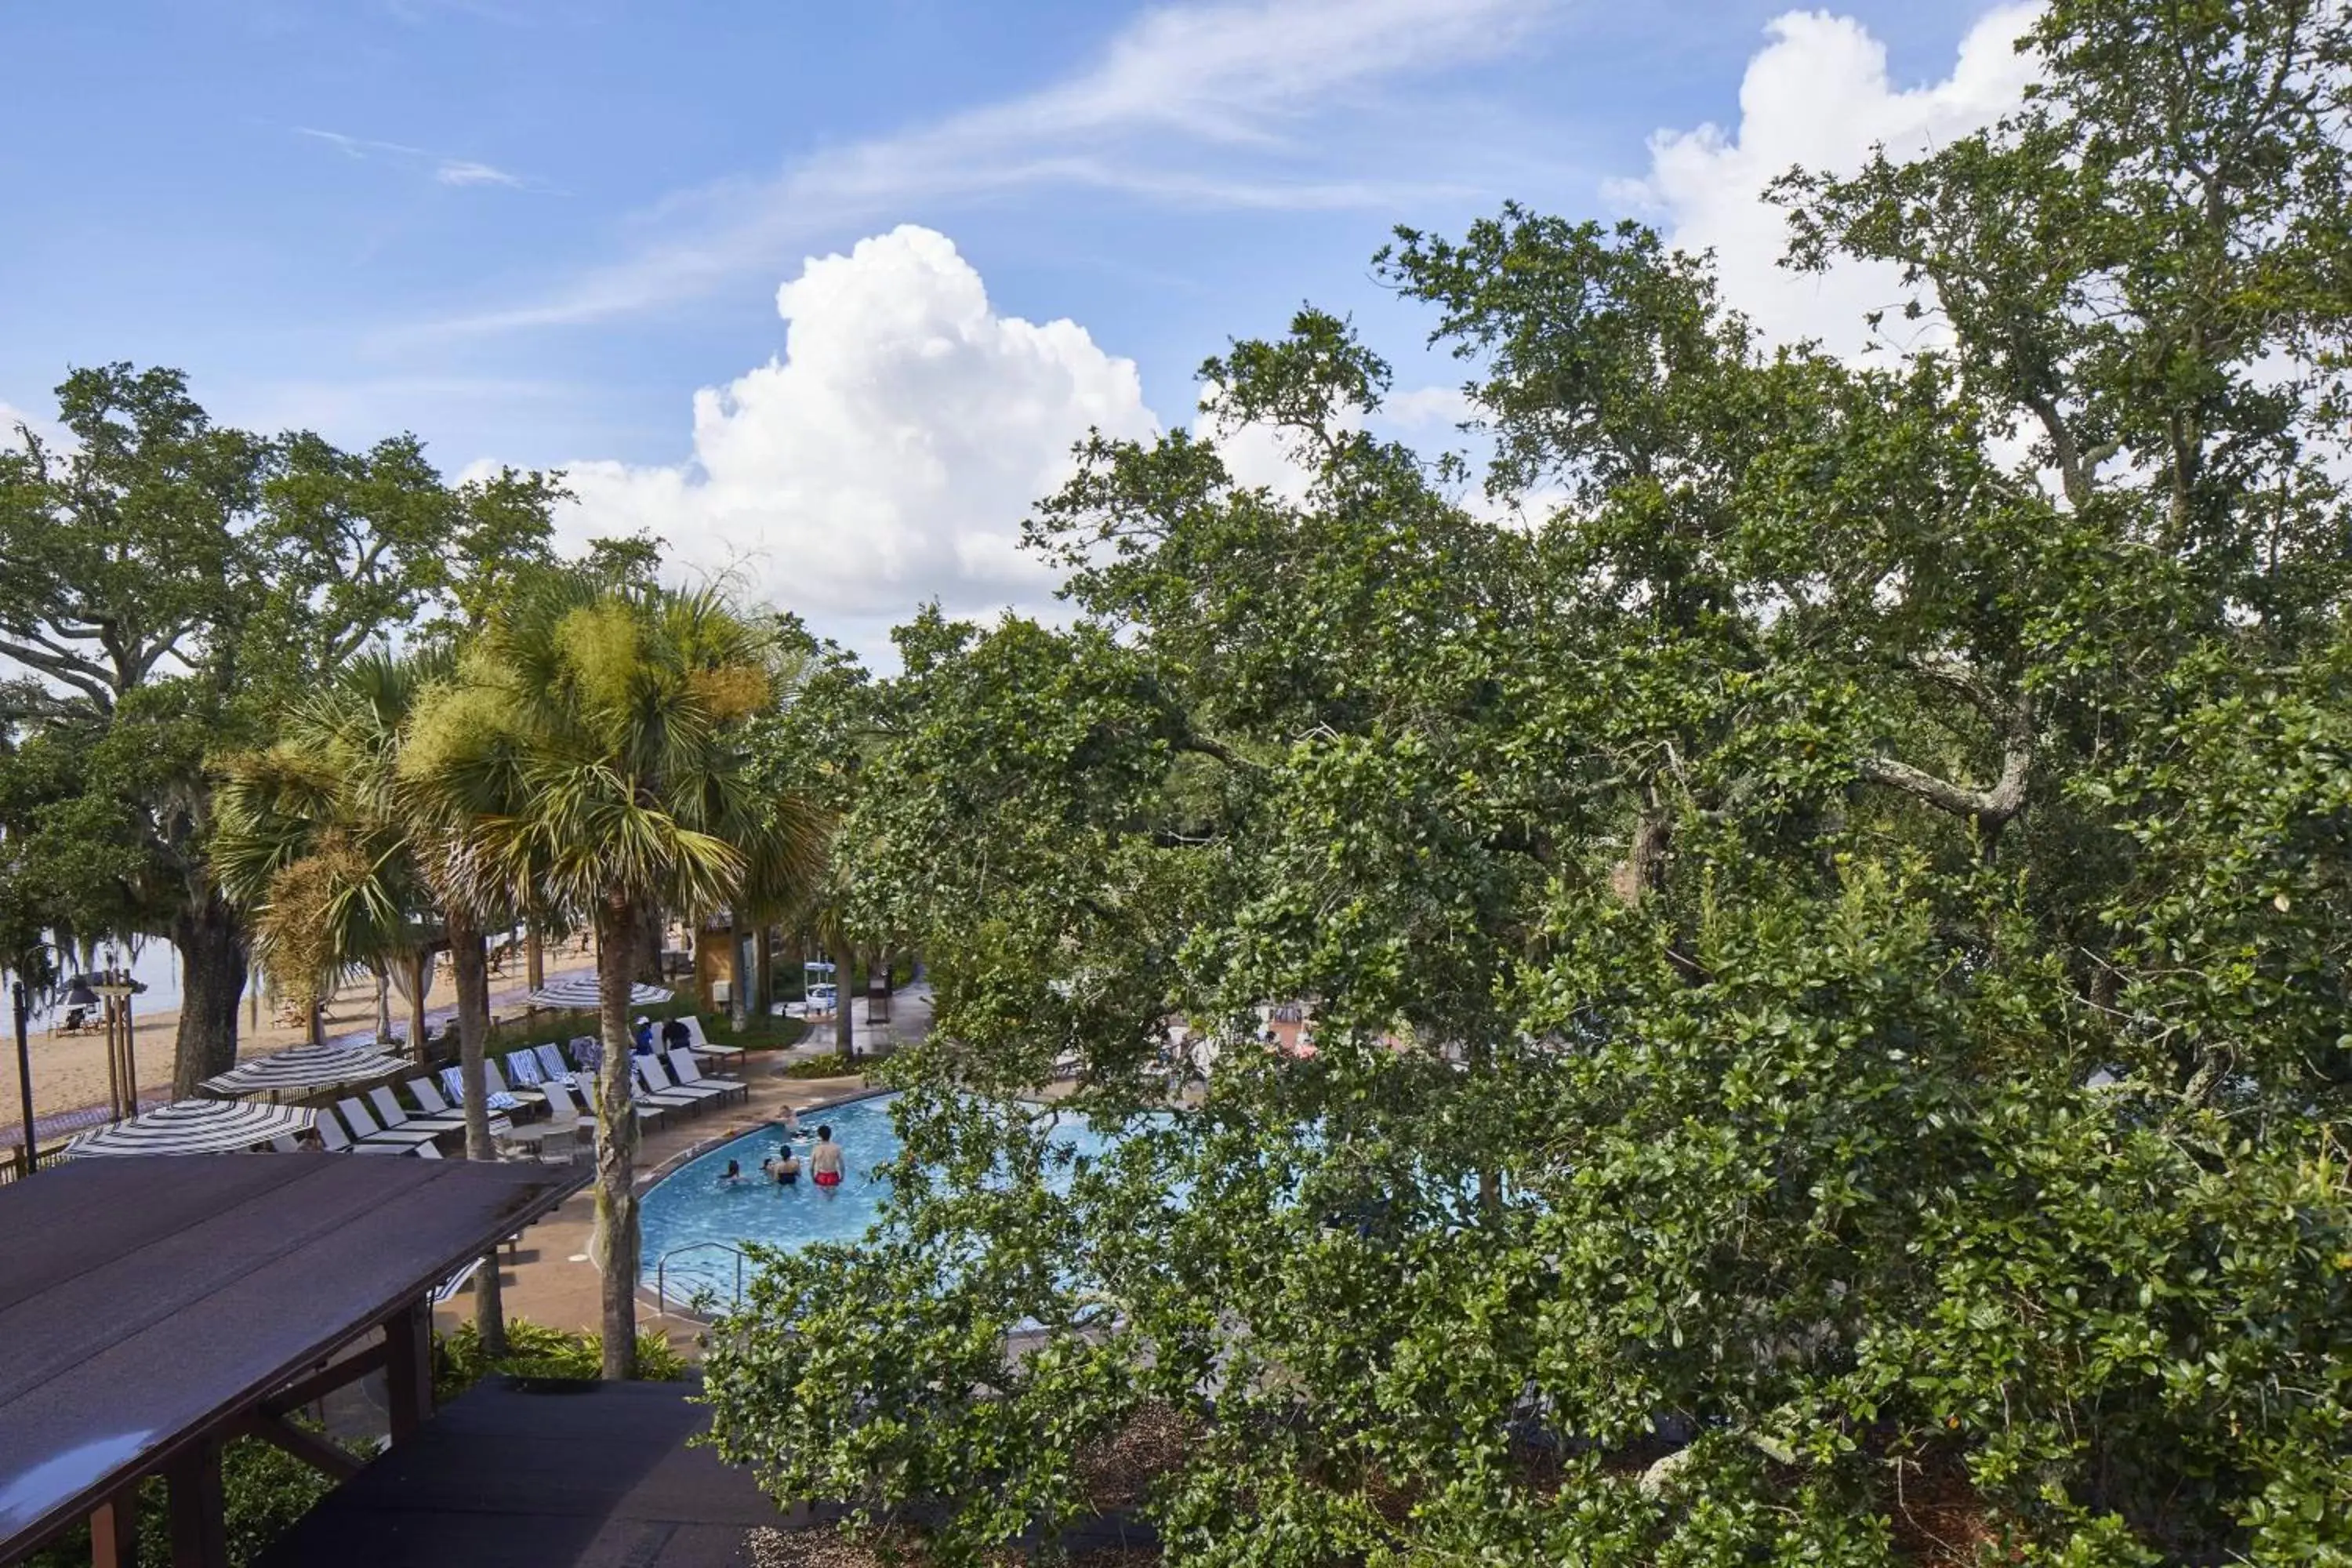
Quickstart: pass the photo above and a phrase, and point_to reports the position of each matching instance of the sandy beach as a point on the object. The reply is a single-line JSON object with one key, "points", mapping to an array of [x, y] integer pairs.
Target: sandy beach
{"points": [[69, 1071]]}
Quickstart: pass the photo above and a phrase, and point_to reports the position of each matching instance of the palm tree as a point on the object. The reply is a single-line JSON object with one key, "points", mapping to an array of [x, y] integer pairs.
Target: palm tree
{"points": [[338, 868], [587, 756]]}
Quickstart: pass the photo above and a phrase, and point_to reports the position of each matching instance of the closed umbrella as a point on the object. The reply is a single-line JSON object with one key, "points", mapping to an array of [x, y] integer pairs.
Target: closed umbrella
{"points": [[580, 991], [194, 1127], [304, 1067]]}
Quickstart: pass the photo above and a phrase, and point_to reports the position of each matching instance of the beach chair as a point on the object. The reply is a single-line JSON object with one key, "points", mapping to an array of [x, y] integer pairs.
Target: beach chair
{"points": [[519, 1094], [335, 1140], [655, 1072], [552, 1066], [428, 1152], [691, 1076], [521, 1068], [365, 1131], [426, 1092], [456, 1282], [652, 1088], [587, 1052], [285, 1143], [562, 1100], [395, 1115], [699, 1043], [453, 1083]]}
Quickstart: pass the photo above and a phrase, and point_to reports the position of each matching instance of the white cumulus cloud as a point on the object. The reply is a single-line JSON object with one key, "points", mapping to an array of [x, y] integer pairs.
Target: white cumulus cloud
{"points": [[887, 455], [1817, 96]]}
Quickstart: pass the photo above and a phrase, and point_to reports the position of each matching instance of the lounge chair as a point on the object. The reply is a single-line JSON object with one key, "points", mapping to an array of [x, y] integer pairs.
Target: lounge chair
{"points": [[652, 1087], [456, 1282], [691, 1076], [653, 1071], [552, 1065], [335, 1140], [427, 1093], [364, 1130], [395, 1115], [564, 1101], [286, 1143], [521, 1094], [453, 1083], [699, 1043]]}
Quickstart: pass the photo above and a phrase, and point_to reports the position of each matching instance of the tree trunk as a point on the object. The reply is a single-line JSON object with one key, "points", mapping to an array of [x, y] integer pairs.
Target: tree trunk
{"points": [[534, 958], [383, 1007], [644, 942], [213, 960], [420, 986], [617, 926], [469, 967], [738, 982], [845, 1031]]}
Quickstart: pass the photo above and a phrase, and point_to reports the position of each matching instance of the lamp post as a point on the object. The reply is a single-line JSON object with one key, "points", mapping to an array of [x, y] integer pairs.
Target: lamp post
{"points": [[22, 1008]]}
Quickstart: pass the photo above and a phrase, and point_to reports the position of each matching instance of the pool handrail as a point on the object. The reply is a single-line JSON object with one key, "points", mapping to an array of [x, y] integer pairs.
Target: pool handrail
{"points": [[661, 1270]]}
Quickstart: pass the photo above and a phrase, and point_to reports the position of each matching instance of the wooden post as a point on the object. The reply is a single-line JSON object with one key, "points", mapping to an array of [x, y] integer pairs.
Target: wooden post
{"points": [[408, 1367], [114, 1530], [199, 1512]]}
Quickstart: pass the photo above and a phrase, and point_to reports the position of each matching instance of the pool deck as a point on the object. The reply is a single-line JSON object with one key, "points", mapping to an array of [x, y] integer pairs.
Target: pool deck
{"points": [[549, 1278]]}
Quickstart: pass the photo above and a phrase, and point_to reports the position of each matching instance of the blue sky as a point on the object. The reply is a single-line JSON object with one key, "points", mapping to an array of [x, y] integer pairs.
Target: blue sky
{"points": [[531, 231]]}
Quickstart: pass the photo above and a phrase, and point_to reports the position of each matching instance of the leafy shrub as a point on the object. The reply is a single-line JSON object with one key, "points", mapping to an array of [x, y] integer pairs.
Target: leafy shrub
{"points": [[534, 1349]]}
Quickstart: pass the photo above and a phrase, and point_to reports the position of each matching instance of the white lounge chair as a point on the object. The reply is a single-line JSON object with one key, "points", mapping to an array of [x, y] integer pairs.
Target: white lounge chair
{"points": [[691, 1076], [658, 1076], [335, 1140], [453, 1083], [395, 1115], [652, 1090], [364, 1130], [523, 1093], [552, 1066], [699, 1043]]}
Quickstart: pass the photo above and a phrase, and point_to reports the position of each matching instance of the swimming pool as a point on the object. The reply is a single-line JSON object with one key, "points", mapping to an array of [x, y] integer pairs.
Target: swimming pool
{"points": [[693, 1207]]}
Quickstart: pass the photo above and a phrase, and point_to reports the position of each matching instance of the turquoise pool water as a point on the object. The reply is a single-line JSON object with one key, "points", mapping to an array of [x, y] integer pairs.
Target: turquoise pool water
{"points": [[693, 1207]]}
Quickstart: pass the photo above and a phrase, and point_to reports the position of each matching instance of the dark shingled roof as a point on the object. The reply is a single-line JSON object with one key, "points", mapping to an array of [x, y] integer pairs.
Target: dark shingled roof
{"points": [[145, 1300], [601, 1478]]}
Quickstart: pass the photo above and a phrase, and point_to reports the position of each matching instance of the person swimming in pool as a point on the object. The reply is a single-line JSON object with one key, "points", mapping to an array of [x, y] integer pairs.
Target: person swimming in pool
{"points": [[784, 1169], [825, 1160], [733, 1175]]}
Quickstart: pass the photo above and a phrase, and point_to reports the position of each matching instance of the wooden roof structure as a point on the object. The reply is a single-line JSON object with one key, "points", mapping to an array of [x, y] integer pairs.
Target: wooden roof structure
{"points": [[153, 1307]]}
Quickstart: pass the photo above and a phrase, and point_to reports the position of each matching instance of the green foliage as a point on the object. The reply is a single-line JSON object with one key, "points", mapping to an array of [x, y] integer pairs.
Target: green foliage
{"points": [[172, 585], [1827, 949], [534, 1349]]}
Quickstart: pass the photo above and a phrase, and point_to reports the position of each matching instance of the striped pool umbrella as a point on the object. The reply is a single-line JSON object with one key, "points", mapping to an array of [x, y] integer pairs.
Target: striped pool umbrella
{"points": [[580, 991], [304, 1067], [194, 1127]]}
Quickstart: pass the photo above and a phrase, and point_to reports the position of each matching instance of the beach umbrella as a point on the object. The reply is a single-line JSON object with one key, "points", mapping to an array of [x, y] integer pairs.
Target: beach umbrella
{"points": [[304, 1067], [580, 991], [194, 1127]]}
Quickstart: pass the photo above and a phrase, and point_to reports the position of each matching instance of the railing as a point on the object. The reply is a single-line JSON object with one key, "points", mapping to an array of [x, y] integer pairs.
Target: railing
{"points": [[12, 1160], [661, 1269]]}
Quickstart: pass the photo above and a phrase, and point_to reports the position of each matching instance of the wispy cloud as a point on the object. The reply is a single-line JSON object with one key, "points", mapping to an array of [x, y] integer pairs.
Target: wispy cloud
{"points": [[444, 170], [1204, 105], [466, 172]]}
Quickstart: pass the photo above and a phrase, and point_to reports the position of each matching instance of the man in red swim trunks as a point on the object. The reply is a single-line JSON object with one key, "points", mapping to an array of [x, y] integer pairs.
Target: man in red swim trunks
{"points": [[824, 1160]]}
